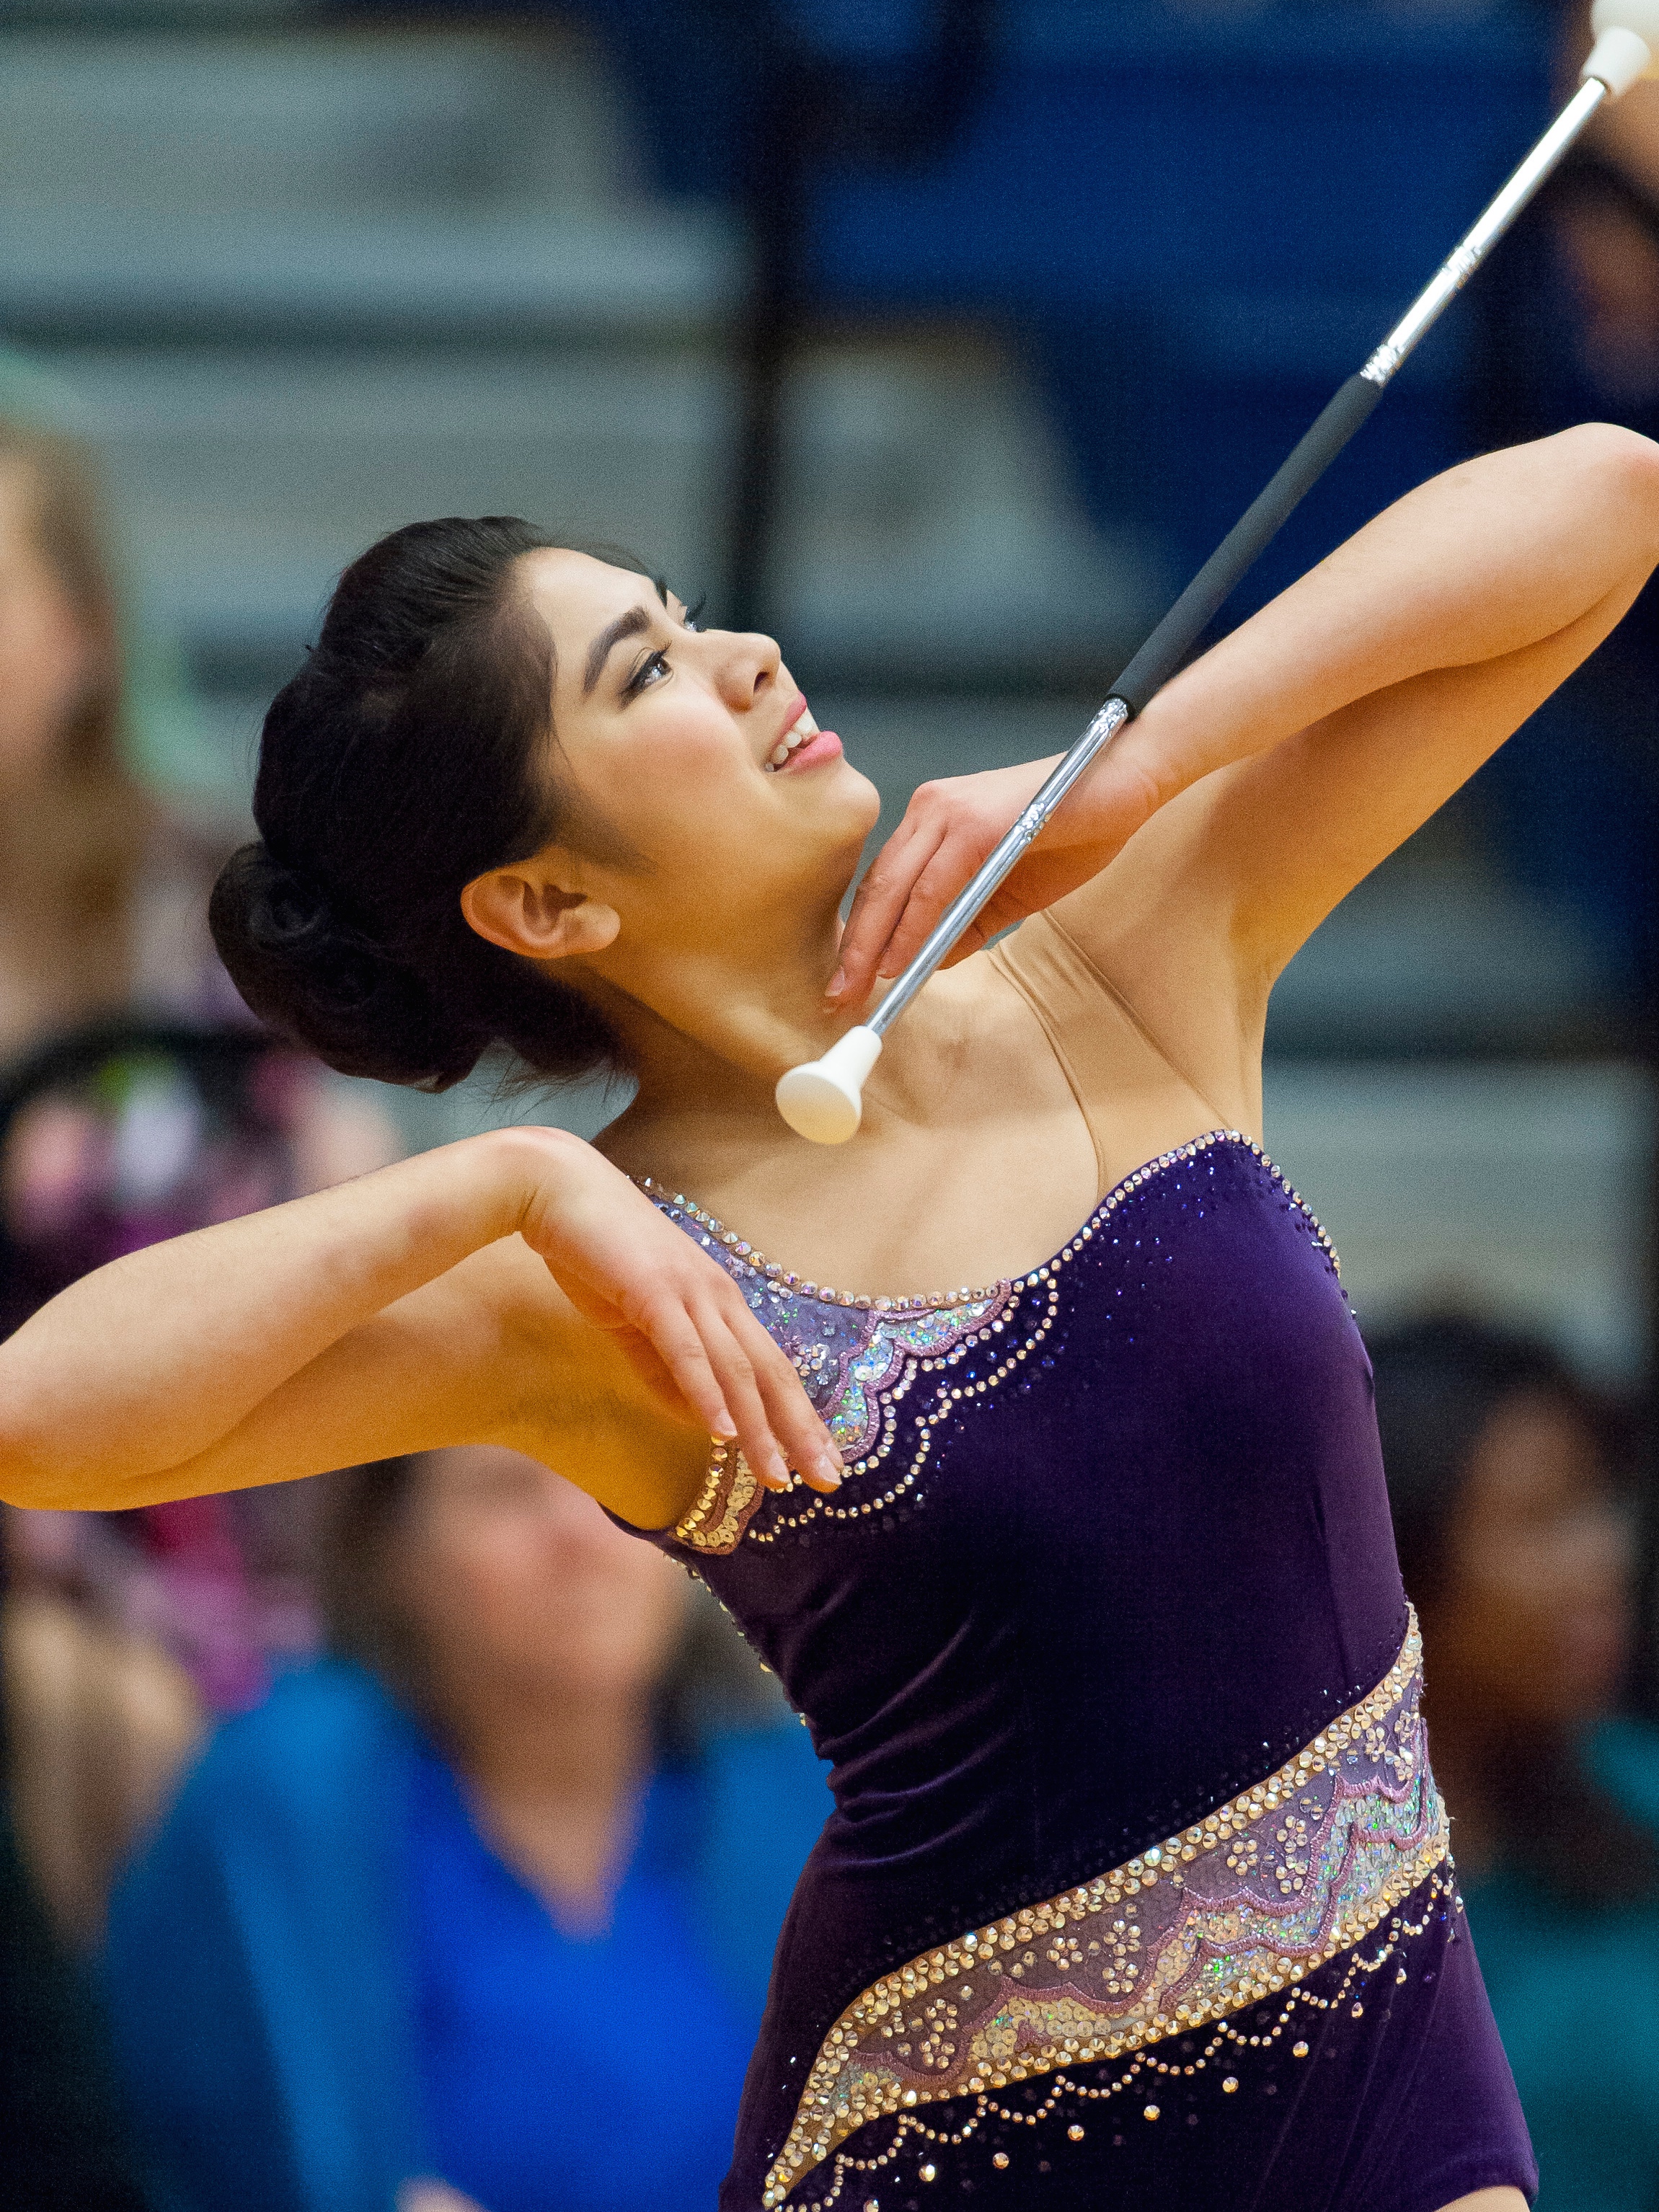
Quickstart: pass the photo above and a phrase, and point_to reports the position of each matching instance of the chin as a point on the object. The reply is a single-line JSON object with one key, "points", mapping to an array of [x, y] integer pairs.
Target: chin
{"points": [[852, 794]]}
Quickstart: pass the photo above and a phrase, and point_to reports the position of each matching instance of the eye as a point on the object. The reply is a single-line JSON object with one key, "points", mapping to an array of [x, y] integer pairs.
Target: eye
{"points": [[649, 673], [692, 619]]}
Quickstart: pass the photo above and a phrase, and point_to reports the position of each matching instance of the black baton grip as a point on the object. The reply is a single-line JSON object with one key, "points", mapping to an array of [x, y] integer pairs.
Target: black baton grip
{"points": [[1175, 637]]}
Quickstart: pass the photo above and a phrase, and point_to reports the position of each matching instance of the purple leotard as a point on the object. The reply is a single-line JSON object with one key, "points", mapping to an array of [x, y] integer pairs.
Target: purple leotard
{"points": [[1136, 1891]]}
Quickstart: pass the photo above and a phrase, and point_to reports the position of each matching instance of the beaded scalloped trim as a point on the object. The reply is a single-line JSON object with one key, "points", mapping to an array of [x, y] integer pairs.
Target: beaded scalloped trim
{"points": [[1150, 2075], [1244, 1903], [860, 1358]]}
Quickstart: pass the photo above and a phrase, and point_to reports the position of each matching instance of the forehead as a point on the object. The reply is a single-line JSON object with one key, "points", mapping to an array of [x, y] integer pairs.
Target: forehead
{"points": [[576, 595]]}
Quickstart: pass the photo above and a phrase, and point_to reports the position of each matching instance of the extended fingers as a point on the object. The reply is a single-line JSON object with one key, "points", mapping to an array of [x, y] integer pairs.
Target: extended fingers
{"points": [[739, 1384], [675, 1340], [783, 1412], [882, 897], [948, 868]]}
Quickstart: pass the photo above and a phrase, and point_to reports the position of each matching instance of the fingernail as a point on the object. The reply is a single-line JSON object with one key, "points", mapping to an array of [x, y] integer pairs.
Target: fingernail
{"points": [[725, 1426], [777, 1472], [837, 984], [828, 1470]]}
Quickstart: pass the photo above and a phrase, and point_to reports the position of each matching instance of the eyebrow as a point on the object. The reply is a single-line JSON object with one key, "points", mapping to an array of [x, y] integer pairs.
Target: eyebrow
{"points": [[627, 625]]}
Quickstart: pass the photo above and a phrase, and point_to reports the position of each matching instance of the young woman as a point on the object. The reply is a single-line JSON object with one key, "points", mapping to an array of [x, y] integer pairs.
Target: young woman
{"points": [[1514, 1536], [1137, 1888], [100, 884]]}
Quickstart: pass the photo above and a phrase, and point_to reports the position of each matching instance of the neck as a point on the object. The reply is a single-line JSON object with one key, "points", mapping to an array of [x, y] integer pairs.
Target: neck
{"points": [[1465, 1760], [65, 878], [554, 1775], [30, 897], [713, 1027], [1475, 1751], [708, 1050]]}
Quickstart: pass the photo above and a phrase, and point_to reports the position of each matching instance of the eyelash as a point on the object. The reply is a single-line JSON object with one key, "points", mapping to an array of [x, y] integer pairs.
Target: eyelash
{"points": [[636, 683]]}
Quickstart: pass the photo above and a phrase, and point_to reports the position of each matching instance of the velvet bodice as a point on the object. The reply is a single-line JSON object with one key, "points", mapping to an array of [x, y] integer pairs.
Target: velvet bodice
{"points": [[1113, 1547]]}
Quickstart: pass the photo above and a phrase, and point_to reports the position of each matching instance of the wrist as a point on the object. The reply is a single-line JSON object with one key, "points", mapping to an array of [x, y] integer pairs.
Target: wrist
{"points": [[519, 1169], [1119, 791]]}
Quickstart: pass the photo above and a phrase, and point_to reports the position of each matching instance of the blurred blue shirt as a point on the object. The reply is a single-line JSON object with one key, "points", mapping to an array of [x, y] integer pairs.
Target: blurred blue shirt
{"points": [[324, 1982], [1576, 1993]]}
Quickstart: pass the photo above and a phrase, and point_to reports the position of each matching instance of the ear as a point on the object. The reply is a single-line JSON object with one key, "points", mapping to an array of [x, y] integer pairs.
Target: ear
{"points": [[523, 910]]}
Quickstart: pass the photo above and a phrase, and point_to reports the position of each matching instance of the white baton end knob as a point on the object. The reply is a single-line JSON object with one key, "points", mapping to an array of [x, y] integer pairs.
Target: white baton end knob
{"points": [[823, 1098], [1627, 44]]}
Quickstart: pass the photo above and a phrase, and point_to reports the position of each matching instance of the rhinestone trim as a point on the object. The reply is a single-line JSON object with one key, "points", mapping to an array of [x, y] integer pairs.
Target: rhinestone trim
{"points": [[860, 1358], [1232, 2044], [1244, 1903]]}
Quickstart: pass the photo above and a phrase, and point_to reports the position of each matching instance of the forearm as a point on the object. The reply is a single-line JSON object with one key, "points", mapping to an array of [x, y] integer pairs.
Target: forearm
{"points": [[1483, 566], [1489, 559], [150, 1360]]}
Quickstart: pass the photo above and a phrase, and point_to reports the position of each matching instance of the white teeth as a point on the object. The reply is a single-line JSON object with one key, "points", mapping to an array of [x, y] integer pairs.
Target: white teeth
{"points": [[790, 744], [804, 729]]}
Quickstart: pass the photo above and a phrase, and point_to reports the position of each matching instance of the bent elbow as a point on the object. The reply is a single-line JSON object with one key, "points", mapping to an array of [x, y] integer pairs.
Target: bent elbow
{"points": [[35, 1470], [27, 1478], [1624, 465]]}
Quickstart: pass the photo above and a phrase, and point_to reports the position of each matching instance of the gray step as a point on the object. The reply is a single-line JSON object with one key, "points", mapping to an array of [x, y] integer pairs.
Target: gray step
{"points": [[452, 185], [337, 123], [1521, 1193], [927, 516]]}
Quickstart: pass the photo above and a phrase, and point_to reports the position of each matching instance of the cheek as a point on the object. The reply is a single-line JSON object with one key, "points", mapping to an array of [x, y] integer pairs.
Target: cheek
{"points": [[675, 776]]}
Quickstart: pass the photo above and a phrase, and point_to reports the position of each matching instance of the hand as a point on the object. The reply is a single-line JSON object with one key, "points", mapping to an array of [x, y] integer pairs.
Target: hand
{"points": [[679, 1318], [949, 830], [432, 2196]]}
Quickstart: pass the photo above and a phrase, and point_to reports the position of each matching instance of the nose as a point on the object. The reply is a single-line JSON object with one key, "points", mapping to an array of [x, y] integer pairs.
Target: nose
{"points": [[748, 667]]}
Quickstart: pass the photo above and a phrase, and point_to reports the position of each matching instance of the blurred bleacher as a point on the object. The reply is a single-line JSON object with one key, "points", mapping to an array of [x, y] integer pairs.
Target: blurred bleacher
{"points": [[305, 273]]}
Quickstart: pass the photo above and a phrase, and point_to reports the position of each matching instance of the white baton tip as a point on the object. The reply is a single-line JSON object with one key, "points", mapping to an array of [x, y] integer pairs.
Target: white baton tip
{"points": [[1627, 43], [821, 1099]]}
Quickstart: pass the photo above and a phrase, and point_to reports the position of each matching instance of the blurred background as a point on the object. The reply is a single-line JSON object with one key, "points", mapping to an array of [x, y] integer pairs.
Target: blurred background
{"points": [[944, 338]]}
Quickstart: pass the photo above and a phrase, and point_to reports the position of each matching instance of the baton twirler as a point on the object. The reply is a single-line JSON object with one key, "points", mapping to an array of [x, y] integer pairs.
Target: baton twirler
{"points": [[822, 1099]]}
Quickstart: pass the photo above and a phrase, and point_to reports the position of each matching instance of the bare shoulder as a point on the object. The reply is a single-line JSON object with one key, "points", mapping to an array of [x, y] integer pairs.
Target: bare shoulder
{"points": [[1156, 927]]}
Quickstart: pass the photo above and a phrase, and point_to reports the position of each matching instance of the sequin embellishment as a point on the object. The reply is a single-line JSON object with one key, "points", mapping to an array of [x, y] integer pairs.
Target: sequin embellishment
{"points": [[1241, 1905], [861, 1358]]}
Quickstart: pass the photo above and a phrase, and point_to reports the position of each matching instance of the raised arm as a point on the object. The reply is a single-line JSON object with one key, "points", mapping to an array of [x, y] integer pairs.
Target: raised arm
{"points": [[514, 1287], [1273, 774]]}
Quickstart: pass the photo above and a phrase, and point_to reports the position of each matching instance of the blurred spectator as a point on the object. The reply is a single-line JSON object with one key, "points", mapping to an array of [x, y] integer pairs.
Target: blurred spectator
{"points": [[98, 1723], [112, 1138], [1518, 1552], [487, 1901], [102, 892], [1567, 321], [136, 1098], [62, 2147], [102, 909]]}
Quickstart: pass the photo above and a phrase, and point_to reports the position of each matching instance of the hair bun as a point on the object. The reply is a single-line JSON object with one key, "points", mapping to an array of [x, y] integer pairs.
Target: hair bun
{"points": [[310, 974]]}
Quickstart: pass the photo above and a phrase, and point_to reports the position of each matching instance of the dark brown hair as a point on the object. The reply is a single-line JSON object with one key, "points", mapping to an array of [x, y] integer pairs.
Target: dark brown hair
{"points": [[414, 752]]}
